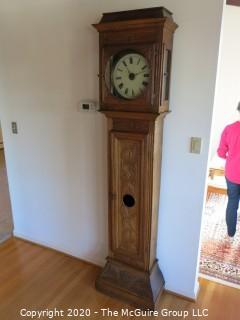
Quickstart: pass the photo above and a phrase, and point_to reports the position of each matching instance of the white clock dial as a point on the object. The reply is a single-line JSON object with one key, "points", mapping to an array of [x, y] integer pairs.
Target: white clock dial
{"points": [[131, 75]]}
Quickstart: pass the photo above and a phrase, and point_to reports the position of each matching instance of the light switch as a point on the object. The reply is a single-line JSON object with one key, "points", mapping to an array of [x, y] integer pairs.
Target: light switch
{"points": [[14, 128], [196, 145]]}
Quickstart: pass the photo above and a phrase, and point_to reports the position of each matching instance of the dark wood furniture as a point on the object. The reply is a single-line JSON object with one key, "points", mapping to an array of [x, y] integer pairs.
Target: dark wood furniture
{"points": [[135, 132], [234, 2]]}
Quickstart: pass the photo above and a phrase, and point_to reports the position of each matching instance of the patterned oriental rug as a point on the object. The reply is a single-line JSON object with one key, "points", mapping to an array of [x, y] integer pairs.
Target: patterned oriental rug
{"points": [[220, 255]]}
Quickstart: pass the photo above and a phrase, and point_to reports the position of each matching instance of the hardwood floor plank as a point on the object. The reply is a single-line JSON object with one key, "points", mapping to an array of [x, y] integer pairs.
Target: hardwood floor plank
{"points": [[38, 278]]}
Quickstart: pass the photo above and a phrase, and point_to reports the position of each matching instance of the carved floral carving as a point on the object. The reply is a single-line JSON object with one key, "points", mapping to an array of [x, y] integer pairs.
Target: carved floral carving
{"points": [[129, 184]]}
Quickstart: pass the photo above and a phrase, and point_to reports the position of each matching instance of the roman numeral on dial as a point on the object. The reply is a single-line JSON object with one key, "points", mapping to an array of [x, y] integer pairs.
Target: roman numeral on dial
{"points": [[131, 75]]}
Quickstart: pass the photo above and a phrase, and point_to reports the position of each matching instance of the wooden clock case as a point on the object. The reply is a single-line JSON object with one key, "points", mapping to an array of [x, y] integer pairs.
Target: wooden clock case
{"points": [[135, 130]]}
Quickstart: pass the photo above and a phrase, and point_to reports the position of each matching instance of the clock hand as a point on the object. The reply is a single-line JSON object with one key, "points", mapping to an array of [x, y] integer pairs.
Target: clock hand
{"points": [[136, 74], [128, 70], [125, 64]]}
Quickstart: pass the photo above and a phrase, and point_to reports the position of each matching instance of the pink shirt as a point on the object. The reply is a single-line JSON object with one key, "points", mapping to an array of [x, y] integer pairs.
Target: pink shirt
{"points": [[229, 149]]}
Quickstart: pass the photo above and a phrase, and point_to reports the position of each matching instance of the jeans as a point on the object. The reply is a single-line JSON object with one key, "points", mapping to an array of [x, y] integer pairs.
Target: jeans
{"points": [[233, 192]]}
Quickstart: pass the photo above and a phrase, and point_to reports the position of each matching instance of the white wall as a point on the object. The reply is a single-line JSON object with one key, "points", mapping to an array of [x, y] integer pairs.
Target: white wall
{"points": [[57, 163], [228, 84]]}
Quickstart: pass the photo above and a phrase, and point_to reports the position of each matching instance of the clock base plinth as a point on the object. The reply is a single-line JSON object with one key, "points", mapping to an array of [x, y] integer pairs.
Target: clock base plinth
{"points": [[140, 289]]}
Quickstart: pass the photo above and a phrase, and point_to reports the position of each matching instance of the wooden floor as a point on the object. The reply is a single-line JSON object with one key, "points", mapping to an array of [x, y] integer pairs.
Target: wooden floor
{"points": [[36, 278], [6, 224]]}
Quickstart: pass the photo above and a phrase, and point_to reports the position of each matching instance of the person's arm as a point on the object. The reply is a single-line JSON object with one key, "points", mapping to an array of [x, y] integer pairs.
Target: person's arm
{"points": [[223, 145]]}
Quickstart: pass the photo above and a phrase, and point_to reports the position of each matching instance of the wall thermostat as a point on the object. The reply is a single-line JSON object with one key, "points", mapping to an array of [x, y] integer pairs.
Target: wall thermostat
{"points": [[87, 106]]}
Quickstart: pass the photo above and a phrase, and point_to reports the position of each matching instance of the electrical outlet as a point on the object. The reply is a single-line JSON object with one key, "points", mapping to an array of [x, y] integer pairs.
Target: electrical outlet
{"points": [[196, 145], [14, 128]]}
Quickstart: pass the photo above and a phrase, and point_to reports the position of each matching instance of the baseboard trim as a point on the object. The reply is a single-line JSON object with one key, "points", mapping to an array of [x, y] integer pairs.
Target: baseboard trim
{"points": [[219, 281], [189, 298], [181, 296], [59, 250], [6, 237]]}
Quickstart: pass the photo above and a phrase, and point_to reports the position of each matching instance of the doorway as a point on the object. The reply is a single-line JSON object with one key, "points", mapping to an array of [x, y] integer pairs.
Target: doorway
{"points": [[6, 222], [220, 254]]}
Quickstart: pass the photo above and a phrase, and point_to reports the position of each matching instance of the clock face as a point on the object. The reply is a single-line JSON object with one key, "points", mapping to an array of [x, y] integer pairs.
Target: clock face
{"points": [[130, 75]]}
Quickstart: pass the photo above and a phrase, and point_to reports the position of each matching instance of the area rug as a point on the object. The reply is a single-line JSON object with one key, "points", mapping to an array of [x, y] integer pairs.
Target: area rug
{"points": [[220, 255]]}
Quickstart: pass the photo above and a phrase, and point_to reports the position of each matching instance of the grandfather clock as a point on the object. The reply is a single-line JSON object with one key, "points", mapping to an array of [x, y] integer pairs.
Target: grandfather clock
{"points": [[135, 64]]}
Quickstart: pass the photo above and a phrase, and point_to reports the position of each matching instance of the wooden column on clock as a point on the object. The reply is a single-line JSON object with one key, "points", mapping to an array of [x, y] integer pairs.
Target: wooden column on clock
{"points": [[135, 131]]}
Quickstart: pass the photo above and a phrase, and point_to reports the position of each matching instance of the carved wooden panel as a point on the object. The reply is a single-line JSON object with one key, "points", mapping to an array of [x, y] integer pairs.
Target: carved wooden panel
{"points": [[127, 183], [128, 279]]}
